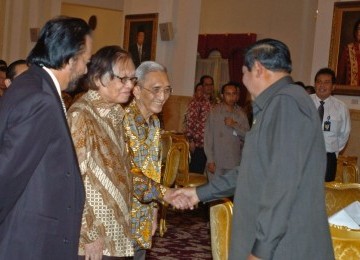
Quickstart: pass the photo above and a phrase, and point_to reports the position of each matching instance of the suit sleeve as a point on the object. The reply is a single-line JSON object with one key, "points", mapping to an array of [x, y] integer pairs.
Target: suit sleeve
{"points": [[25, 135], [221, 186]]}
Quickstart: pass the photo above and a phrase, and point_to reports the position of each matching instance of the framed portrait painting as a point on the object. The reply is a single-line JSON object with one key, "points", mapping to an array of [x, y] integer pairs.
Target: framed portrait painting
{"points": [[344, 56], [140, 36]]}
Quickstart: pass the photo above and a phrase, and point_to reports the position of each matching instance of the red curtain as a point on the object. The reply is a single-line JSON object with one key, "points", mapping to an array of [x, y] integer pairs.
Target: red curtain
{"points": [[231, 47]]}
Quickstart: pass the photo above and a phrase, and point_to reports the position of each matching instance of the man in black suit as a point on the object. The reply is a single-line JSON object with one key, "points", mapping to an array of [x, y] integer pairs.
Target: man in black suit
{"points": [[140, 51], [41, 191]]}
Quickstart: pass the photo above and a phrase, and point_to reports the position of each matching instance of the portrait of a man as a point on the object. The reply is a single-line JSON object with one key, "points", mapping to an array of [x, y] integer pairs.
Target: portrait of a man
{"points": [[140, 36]]}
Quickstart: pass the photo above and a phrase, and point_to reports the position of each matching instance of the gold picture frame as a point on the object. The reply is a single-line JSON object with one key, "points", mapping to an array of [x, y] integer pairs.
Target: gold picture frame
{"points": [[147, 23], [345, 16]]}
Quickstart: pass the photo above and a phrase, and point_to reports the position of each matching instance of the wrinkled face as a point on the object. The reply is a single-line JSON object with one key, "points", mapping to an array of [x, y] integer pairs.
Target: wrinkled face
{"points": [[152, 96], [230, 95], [78, 64], [140, 38], [323, 86], [114, 90]]}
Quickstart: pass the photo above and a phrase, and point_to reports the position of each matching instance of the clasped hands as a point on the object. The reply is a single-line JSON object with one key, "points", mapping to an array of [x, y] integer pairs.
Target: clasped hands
{"points": [[183, 198]]}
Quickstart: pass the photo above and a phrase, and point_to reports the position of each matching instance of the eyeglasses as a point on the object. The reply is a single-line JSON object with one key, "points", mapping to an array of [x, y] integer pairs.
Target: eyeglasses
{"points": [[124, 80], [157, 91]]}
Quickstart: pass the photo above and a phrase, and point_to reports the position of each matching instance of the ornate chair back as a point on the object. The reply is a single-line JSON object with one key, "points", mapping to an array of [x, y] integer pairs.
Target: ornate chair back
{"points": [[339, 195], [168, 179], [220, 225], [347, 170]]}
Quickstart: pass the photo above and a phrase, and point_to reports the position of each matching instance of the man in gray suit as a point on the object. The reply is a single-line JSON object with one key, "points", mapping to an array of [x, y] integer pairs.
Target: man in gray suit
{"points": [[41, 191], [279, 204]]}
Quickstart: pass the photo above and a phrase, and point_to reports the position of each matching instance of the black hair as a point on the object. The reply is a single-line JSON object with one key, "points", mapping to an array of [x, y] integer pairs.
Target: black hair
{"points": [[11, 69], [103, 62], [274, 55], [230, 83], [326, 71], [202, 79], [61, 39]]}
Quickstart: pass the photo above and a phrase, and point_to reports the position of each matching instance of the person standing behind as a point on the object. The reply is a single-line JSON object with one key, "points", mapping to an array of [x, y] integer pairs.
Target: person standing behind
{"points": [[41, 191], [15, 69], [142, 128], [225, 131], [195, 118], [280, 174], [334, 118]]}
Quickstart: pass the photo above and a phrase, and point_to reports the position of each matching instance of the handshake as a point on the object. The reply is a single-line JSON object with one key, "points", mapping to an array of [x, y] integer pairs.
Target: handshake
{"points": [[183, 198]]}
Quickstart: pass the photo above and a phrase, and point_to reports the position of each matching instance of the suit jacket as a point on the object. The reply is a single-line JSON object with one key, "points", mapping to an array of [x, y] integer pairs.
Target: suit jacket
{"points": [[279, 202], [145, 55], [41, 191]]}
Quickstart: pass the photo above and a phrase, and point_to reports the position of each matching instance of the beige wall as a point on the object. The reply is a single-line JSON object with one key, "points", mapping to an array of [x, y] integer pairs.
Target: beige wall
{"points": [[292, 22], [109, 23]]}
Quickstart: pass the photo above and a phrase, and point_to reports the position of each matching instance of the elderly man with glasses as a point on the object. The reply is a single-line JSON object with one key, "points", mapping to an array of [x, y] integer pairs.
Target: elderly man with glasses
{"points": [[142, 128]]}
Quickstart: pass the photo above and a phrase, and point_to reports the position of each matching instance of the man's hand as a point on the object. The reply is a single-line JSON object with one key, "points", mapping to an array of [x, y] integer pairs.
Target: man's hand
{"points": [[211, 167], [94, 250], [178, 201], [229, 121], [252, 257], [190, 194]]}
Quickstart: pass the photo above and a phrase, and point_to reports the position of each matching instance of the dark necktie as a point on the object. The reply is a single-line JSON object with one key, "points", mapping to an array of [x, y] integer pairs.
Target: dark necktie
{"points": [[321, 110]]}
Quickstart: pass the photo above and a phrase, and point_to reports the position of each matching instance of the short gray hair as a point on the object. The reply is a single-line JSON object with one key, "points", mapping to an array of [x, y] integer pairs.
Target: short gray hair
{"points": [[145, 68]]}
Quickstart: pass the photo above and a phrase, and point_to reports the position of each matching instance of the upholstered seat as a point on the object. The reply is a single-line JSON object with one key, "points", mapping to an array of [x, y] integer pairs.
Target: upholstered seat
{"points": [[346, 243], [168, 179], [220, 224], [339, 195], [347, 170]]}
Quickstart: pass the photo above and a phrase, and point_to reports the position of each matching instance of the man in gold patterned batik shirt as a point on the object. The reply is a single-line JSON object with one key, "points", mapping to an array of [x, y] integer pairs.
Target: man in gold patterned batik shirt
{"points": [[95, 122], [142, 128]]}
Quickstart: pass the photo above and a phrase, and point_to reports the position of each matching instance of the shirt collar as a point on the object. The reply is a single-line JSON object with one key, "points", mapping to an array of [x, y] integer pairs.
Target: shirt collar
{"points": [[261, 100], [56, 82]]}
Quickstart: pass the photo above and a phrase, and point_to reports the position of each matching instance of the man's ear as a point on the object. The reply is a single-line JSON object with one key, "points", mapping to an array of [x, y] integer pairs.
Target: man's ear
{"points": [[137, 91], [258, 68], [7, 82]]}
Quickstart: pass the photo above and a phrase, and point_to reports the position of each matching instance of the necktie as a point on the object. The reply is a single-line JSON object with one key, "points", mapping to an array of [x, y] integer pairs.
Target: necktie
{"points": [[321, 110], [140, 52]]}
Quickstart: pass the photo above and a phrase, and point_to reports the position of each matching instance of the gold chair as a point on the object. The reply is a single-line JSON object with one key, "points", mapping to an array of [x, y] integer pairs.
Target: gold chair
{"points": [[347, 170], [220, 226], [346, 243], [339, 195], [184, 177], [168, 180]]}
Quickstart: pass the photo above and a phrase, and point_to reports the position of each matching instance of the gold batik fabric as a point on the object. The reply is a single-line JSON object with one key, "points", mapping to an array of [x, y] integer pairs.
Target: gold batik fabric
{"points": [[144, 147], [96, 128], [353, 58]]}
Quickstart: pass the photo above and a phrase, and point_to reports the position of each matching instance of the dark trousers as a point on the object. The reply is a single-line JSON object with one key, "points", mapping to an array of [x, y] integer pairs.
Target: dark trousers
{"points": [[331, 167], [198, 160], [139, 253]]}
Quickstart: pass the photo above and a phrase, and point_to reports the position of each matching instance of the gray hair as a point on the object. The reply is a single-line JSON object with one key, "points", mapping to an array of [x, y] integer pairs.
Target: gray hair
{"points": [[145, 68]]}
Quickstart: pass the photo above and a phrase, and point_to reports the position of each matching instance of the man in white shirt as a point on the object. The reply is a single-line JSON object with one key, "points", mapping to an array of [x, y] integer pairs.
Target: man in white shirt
{"points": [[334, 117]]}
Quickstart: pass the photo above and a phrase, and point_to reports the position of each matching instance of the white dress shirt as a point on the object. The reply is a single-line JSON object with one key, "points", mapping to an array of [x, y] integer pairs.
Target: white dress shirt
{"points": [[335, 112]]}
